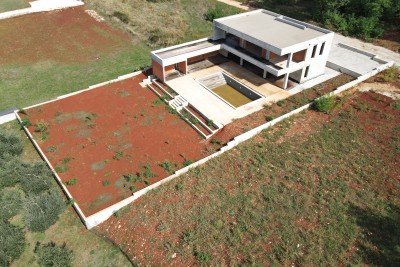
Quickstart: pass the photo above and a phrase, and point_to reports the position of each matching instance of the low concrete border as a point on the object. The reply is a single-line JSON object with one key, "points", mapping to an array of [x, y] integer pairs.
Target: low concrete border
{"points": [[41, 6], [101, 216], [58, 179]]}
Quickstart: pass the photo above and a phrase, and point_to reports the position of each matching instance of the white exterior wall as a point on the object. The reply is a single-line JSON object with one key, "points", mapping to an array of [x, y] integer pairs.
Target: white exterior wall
{"points": [[318, 63]]}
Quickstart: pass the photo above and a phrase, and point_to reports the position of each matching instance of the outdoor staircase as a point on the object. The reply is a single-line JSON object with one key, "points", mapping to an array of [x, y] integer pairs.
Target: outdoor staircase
{"points": [[213, 81], [190, 114], [178, 102]]}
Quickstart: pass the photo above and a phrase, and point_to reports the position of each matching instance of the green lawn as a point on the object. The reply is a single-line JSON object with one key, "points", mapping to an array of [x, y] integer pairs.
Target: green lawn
{"points": [[9, 5], [22, 85], [315, 190]]}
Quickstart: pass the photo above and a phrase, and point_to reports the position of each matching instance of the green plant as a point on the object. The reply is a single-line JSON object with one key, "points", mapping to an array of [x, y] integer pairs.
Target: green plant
{"points": [[214, 13], [324, 104], [192, 119], [72, 181], [396, 104], [117, 214], [281, 103], [25, 122], [51, 255], [391, 74], [106, 182], [132, 188], [216, 141], [269, 118], [121, 16], [41, 126], [118, 155], [187, 162], [12, 240], [168, 166], [42, 211], [210, 123], [179, 187], [171, 110], [202, 257]]}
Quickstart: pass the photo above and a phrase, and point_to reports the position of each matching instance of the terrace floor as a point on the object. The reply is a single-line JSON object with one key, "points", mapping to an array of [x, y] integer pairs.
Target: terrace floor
{"points": [[215, 108]]}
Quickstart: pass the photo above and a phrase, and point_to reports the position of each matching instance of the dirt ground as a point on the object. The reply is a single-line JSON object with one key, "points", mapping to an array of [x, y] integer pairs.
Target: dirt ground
{"points": [[69, 35], [104, 141], [145, 244]]}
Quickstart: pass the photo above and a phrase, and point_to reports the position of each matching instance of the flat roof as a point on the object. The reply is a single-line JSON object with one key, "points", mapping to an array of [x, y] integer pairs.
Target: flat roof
{"points": [[186, 49], [271, 28]]}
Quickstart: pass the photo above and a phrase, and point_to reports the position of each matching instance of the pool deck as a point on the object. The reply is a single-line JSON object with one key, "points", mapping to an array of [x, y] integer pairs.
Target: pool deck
{"points": [[215, 108]]}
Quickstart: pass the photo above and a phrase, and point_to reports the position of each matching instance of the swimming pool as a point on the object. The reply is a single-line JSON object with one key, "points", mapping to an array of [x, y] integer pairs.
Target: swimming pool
{"points": [[230, 90]]}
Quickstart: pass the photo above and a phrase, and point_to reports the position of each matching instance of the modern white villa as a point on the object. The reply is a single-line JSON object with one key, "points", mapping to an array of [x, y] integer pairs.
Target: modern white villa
{"points": [[278, 45], [252, 59]]}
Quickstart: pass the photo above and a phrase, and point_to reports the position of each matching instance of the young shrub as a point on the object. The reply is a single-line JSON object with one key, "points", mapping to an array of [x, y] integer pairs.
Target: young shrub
{"points": [[391, 74], [50, 255], [269, 118], [106, 182], [25, 122], [324, 104], [10, 203], [167, 166], [214, 13], [10, 144], [72, 181], [121, 16], [281, 103], [202, 257], [12, 240], [41, 126], [42, 211]]}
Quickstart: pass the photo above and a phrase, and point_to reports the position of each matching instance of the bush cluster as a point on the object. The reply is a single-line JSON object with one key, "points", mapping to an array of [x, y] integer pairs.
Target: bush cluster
{"points": [[50, 255], [42, 211], [324, 104], [12, 240]]}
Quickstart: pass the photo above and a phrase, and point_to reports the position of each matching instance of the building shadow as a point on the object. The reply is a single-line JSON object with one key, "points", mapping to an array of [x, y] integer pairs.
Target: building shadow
{"points": [[382, 233]]}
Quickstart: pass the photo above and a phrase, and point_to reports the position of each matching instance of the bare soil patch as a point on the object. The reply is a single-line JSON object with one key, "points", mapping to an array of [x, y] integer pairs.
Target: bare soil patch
{"points": [[309, 195]]}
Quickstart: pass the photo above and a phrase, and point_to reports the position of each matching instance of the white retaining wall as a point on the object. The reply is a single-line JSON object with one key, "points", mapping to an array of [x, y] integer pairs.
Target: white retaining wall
{"points": [[101, 216], [7, 118]]}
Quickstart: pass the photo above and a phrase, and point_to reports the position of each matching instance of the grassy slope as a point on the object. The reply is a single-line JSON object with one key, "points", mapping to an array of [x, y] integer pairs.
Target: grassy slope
{"points": [[9, 5], [44, 80], [315, 190], [89, 249]]}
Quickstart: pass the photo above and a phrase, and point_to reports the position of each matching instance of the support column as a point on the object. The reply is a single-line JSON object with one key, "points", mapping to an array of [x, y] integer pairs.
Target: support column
{"points": [[241, 61], [289, 60], [265, 74], [285, 81], [267, 56]]}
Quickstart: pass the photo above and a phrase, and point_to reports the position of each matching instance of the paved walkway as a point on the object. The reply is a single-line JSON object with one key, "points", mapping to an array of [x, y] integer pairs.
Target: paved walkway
{"points": [[41, 6]]}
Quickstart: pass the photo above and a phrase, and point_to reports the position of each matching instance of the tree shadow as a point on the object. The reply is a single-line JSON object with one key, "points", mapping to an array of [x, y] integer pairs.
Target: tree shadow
{"points": [[382, 233]]}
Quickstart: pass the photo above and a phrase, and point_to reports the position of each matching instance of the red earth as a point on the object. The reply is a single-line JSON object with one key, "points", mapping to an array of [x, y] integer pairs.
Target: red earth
{"points": [[69, 35], [94, 138]]}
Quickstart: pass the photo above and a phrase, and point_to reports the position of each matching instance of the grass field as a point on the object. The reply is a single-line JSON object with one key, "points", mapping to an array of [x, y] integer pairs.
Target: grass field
{"points": [[319, 189], [89, 249], [9, 5], [49, 54]]}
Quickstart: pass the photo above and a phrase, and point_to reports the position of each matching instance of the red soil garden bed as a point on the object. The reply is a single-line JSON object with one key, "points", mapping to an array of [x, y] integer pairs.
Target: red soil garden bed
{"points": [[108, 142]]}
